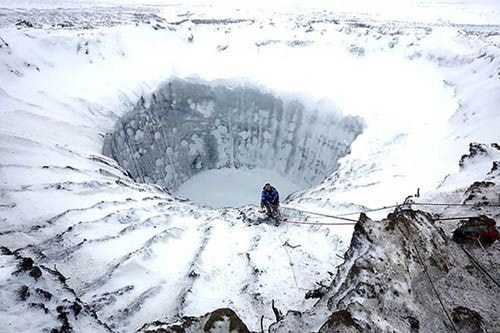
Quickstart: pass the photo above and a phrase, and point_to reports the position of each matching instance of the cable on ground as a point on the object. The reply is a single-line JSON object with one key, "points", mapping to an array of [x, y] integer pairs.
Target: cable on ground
{"points": [[354, 221], [453, 204], [290, 262], [426, 271], [480, 267], [320, 214]]}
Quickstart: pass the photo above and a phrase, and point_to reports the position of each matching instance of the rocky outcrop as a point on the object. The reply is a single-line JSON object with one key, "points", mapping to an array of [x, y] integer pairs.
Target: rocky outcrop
{"points": [[219, 321], [340, 322], [43, 298], [188, 127], [478, 150], [404, 274]]}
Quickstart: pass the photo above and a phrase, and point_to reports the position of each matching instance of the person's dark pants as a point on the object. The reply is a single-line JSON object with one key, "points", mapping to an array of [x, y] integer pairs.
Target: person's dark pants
{"points": [[273, 212]]}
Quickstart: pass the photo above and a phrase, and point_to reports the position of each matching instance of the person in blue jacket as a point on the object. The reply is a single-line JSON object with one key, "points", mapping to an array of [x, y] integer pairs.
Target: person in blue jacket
{"points": [[270, 199]]}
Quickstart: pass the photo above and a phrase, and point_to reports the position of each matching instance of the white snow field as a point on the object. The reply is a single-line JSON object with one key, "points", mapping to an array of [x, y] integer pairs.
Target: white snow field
{"points": [[379, 103]]}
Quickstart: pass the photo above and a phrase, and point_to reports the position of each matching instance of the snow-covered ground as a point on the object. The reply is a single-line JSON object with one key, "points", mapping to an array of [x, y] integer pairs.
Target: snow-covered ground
{"points": [[424, 89], [233, 187]]}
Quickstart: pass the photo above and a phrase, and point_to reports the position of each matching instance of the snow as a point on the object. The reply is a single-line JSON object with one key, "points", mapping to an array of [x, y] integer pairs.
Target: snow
{"points": [[445, 11], [133, 252], [43, 296], [247, 129], [229, 187]]}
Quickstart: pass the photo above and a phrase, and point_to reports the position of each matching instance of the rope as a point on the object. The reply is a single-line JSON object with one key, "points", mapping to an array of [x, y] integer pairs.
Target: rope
{"points": [[341, 216], [453, 218], [291, 265], [369, 210], [427, 273], [414, 203], [320, 214], [452, 204], [353, 221], [319, 223], [479, 267]]}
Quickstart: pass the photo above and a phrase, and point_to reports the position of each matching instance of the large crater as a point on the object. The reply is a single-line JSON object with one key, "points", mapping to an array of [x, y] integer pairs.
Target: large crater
{"points": [[188, 127]]}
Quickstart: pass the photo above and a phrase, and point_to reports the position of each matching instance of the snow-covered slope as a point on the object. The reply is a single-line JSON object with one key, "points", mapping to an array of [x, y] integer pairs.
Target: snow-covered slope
{"points": [[405, 274], [38, 299], [132, 252]]}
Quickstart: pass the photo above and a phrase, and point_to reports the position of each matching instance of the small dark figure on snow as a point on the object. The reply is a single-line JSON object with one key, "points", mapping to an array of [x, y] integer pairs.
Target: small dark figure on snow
{"points": [[270, 200]]}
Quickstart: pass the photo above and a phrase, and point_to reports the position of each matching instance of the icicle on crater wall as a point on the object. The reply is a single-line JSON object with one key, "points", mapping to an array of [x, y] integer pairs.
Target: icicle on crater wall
{"points": [[189, 127]]}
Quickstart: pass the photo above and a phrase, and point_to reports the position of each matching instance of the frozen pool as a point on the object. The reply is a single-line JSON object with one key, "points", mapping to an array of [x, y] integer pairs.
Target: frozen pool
{"points": [[230, 187]]}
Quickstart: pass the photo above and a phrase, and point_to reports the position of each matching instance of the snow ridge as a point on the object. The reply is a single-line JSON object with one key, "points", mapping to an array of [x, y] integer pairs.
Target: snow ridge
{"points": [[42, 295]]}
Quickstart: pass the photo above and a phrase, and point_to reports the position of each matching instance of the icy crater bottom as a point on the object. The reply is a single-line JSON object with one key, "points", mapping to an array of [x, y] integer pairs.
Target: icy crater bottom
{"points": [[231, 187]]}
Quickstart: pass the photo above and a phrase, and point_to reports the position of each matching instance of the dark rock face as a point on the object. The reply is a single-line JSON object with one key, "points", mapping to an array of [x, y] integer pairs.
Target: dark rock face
{"points": [[396, 275], [495, 166], [25, 23], [220, 316], [414, 324], [222, 320], [316, 293], [477, 150], [45, 294], [340, 322], [36, 272], [25, 264], [24, 293], [467, 320], [4, 250], [190, 127], [475, 191]]}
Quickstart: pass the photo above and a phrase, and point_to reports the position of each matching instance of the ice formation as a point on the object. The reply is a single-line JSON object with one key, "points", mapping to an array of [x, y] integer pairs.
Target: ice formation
{"points": [[188, 127]]}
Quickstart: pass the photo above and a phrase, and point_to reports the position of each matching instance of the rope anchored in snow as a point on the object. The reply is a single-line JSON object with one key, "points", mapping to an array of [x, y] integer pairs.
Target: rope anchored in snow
{"points": [[320, 214], [319, 223], [369, 210], [406, 205], [290, 262], [453, 204]]}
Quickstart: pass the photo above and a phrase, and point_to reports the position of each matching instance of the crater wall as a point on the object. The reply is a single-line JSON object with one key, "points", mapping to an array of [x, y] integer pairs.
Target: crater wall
{"points": [[188, 127]]}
